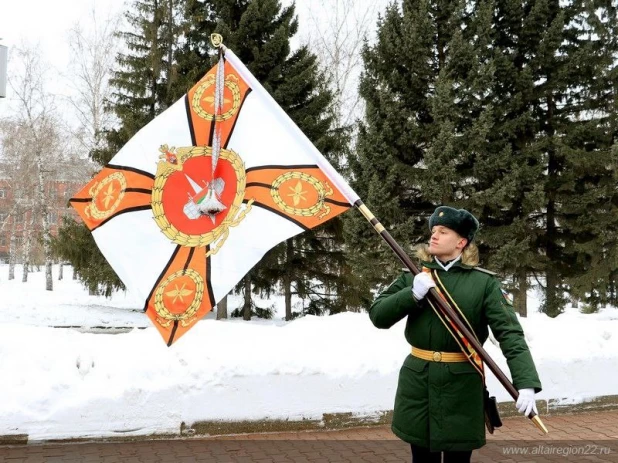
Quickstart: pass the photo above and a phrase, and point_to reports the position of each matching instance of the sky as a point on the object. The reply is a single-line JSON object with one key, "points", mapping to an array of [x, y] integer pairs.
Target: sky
{"points": [[92, 382], [49, 25], [48, 29]]}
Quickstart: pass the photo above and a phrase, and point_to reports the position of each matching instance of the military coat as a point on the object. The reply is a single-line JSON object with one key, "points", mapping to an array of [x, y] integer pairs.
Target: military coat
{"points": [[440, 405]]}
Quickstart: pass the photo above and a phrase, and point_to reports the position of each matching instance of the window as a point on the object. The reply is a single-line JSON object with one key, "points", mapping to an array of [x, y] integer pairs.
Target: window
{"points": [[52, 217], [3, 217], [2, 193], [2, 240]]}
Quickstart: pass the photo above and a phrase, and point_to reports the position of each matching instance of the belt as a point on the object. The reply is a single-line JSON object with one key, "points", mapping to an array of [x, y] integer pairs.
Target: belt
{"points": [[432, 356]]}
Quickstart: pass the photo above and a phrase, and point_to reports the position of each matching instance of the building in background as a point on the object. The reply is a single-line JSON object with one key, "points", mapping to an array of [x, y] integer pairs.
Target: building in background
{"points": [[19, 219]]}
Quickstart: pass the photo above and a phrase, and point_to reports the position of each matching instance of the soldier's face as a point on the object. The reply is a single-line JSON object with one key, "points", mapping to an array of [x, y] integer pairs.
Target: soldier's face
{"points": [[445, 244]]}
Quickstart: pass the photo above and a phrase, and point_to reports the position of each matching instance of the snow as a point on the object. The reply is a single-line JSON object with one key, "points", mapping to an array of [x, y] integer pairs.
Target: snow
{"points": [[87, 381]]}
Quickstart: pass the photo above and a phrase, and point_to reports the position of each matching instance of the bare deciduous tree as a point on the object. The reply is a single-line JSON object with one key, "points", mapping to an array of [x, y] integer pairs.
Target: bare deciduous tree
{"points": [[19, 172], [36, 117], [28, 238], [336, 34], [93, 52]]}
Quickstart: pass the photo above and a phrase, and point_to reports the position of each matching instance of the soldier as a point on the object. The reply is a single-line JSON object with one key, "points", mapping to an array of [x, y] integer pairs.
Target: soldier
{"points": [[439, 404]]}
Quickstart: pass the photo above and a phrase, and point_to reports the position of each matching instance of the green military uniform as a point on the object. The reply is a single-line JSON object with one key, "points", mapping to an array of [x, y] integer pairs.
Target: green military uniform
{"points": [[440, 405]]}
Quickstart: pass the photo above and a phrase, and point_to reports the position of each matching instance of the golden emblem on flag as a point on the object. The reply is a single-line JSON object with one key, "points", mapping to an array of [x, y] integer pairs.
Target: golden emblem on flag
{"points": [[305, 193], [106, 196], [178, 297], [193, 206], [204, 106]]}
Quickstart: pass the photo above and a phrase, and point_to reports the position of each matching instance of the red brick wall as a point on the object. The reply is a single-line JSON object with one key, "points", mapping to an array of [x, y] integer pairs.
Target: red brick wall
{"points": [[58, 194]]}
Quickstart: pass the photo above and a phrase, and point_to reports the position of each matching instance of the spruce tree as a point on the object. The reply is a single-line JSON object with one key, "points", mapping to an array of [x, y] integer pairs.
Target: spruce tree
{"points": [[145, 73], [509, 172], [562, 70], [311, 265], [421, 84], [194, 55], [506, 108], [584, 183]]}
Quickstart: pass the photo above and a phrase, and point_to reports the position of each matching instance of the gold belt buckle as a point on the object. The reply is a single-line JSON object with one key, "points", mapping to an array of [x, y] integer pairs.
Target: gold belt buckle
{"points": [[437, 356]]}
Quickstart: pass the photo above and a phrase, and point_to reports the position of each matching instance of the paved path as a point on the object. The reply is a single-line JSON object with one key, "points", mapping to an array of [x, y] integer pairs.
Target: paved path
{"points": [[582, 437]]}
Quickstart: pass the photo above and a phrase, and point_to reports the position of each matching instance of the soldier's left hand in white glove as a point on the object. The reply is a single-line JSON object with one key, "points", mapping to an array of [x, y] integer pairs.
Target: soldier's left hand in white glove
{"points": [[525, 402]]}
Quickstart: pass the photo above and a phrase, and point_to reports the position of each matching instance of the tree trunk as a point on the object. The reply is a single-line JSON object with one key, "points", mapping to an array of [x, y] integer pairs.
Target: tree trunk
{"points": [[222, 308], [60, 267], [552, 299], [246, 313], [25, 270], [12, 252], [520, 295], [574, 302], [28, 246], [552, 304], [170, 44], [287, 280], [154, 77], [49, 282]]}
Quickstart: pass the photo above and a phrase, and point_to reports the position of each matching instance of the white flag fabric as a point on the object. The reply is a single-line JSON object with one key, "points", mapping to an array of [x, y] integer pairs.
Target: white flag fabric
{"points": [[194, 200]]}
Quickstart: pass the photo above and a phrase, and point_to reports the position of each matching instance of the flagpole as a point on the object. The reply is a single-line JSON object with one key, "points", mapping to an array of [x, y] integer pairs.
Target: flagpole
{"points": [[448, 310], [353, 199], [276, 110]]}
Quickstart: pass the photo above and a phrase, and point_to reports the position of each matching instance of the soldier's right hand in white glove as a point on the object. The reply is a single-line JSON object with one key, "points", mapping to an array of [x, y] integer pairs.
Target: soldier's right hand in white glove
{"points": [[525, 401], [421, 285]]}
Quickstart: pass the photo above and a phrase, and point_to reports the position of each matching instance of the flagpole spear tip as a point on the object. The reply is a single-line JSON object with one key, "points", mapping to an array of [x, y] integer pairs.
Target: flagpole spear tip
{"points": [[539, 424], [216, 40]]}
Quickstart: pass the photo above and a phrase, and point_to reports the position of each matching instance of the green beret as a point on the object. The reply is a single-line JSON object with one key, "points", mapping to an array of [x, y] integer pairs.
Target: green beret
{"points": [[458, 220]]}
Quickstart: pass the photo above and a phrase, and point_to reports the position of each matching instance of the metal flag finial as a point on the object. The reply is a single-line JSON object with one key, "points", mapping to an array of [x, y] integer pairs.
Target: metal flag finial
{"points": [[216, 40], [539, 424]]}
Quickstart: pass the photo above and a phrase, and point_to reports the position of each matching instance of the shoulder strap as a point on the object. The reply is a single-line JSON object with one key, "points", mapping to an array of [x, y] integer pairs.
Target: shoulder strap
{"points": [[452, 302], [461, 341], [484, 270]]}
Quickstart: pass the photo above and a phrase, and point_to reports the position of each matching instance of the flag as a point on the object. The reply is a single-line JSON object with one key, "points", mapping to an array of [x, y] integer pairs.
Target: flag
{"points": [[195, 199]]}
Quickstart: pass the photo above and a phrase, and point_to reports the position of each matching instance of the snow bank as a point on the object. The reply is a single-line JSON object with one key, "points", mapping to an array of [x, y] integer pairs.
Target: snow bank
{"points": [[63, 383]]}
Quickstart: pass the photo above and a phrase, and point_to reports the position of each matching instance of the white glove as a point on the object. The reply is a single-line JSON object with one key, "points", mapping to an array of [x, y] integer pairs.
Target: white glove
{"points": [[525, 402], [421, 285]]}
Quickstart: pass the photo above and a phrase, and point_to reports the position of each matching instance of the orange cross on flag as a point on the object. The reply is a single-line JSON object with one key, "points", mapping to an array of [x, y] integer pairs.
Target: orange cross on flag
{"points": [[195, 199]]}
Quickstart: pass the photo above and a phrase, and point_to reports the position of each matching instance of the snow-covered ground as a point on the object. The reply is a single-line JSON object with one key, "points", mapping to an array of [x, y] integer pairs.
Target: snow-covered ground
{"points": [[68, 382]]}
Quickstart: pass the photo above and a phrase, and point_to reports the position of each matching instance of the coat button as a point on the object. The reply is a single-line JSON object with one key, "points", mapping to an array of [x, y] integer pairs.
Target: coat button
{"points": [[437, 356]]}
